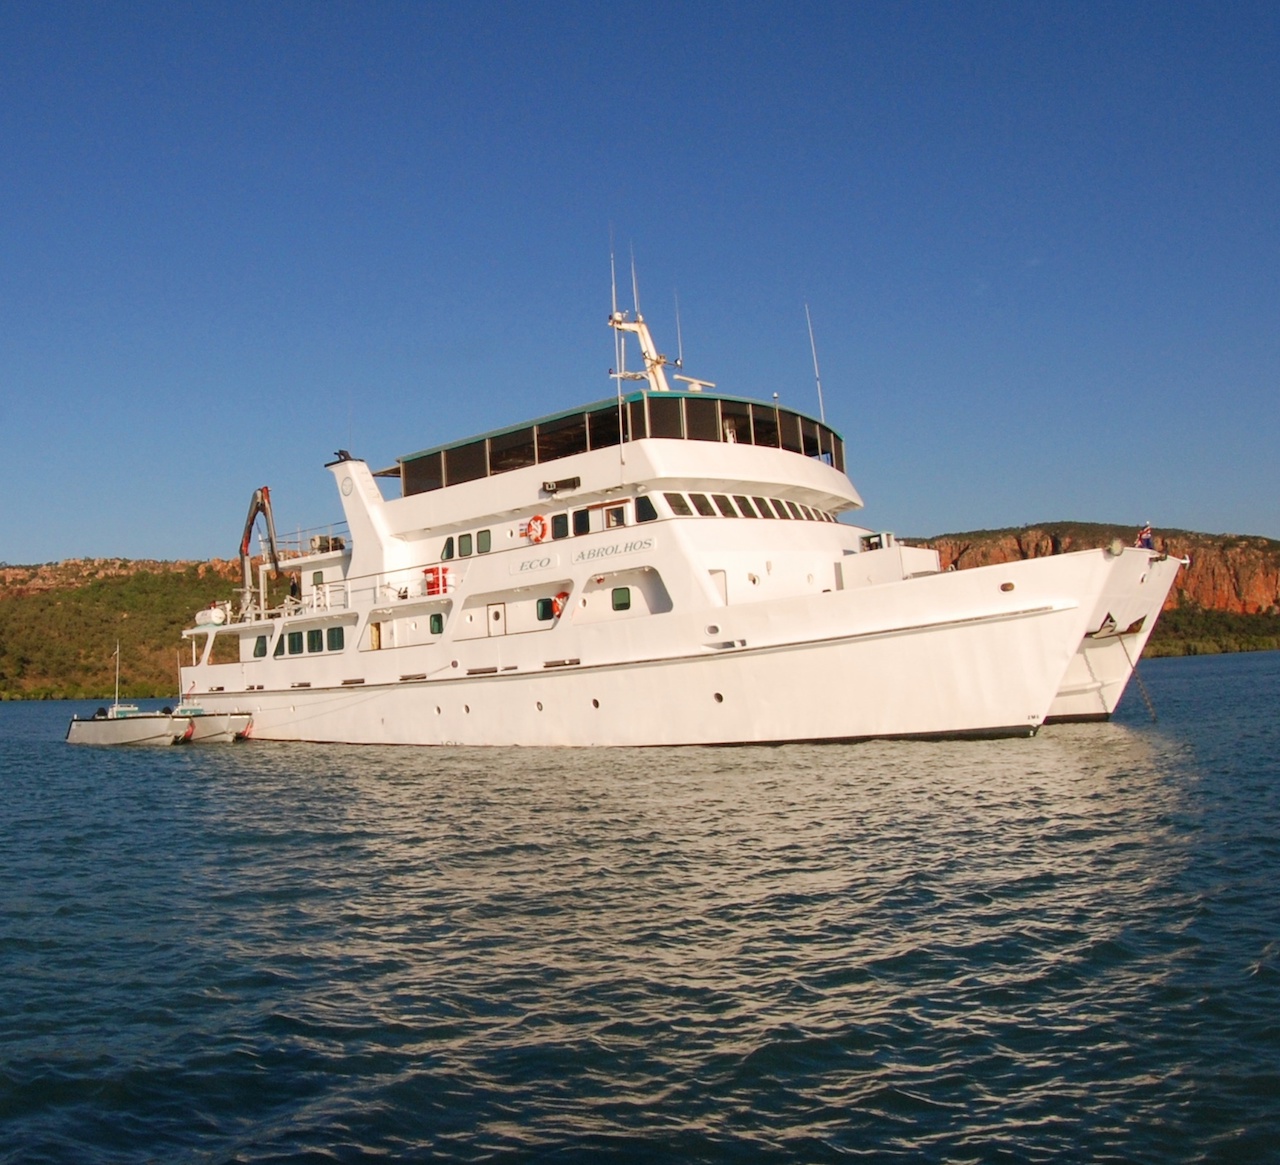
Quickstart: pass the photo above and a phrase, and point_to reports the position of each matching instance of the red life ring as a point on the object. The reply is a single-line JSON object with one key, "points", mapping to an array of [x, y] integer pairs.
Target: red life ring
{"points": [[538, 528], [557, 604]]}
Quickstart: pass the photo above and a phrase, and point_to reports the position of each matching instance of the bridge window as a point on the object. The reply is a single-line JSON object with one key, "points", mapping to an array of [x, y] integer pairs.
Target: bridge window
{"points": [[315, 640], [744, 507], [447, 552], [664, 417], [615, 516], [260, 647], [295, 642], [702, 418], [703, 505], [334, 638], [766, 510], [603, 428], [678, 505], [512, 451], [645, 511], [582, 521], [466, 463], [724, 505], [559, 525], [464, 545], [789, 431], [562, 438], [735, 421], [764, 425]]}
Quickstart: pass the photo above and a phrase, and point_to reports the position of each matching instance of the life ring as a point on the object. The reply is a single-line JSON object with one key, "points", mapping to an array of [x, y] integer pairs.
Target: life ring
{"points": [[538, 528], [557, 604]]}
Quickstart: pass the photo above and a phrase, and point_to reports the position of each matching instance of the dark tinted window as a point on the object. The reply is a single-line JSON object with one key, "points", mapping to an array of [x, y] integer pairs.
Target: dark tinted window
{"points": [[484, 540], [464, 545], [664, 417], [764, 425], [436, 623], [637, 422], [562, 438], [809, 432], [645, 511], [744, 507], [622, 598], [582, 521], [315, 640], [678, 505], [789, 431], [762, 504], [447, 552], [295, 642], [735, 418], [466, 463], [546, 609], [421, 474], [334, 638], [724, 505], [559, 525], [702, 416], [511, 450], [702, 505], [602, 425]]}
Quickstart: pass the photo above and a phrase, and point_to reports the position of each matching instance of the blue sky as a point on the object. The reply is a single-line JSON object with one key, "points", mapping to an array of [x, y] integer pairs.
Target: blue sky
{"points": [[1039, 242]]}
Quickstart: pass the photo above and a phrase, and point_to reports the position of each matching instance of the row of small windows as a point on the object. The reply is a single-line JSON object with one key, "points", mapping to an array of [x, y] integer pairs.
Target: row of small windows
{"points": [[291, 642], [482, 544], [548, 608], [667, 415], [738, 506]]}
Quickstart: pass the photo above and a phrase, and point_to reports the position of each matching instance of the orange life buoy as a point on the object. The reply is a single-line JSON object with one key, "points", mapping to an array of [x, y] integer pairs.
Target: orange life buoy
{"points": [[557, 604], [538, 528]]}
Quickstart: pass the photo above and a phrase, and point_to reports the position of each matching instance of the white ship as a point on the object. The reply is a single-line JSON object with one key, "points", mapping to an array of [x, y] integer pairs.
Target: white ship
{"points": [[663, 567]]}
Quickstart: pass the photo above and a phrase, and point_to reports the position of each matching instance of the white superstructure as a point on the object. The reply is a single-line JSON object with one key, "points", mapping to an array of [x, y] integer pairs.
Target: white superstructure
{"points": [[665, 567]]}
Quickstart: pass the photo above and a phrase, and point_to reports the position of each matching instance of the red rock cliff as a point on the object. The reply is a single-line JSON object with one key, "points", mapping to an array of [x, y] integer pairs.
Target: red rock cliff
{"points": [[1227, 572]]}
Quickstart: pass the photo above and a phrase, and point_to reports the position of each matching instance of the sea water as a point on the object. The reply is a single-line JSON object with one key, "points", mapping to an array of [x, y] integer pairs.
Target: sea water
{"points": [[1063, 948]]}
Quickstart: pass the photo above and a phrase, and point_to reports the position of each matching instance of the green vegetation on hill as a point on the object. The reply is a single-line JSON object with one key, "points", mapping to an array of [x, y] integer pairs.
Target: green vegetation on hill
{"points": [[58, 643], [1196, 631]]}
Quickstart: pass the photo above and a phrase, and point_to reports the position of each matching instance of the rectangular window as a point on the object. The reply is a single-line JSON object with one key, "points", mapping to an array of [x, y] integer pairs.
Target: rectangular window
{"points": [[436, 623], [315, 639], [702, 417], [789, 431], [795, 511], [781, 508], [512, 450], [762, 504], [679, 506], [334, 638], [447, 552], [724, 505], [562, 438], [808, 513], [764, 425], [744, 507], [295, 642], [645, 511], [622, 598], [559, 525], [664, 417], [615, 516], [260, 647], [809, 433], [317, 578], [421, 474], [466, 463], [702, 504], [484, 542], [635, 415], [735, 419], [837, 452], [602, 427], [582, 521], [464, 545], [546, 610]]}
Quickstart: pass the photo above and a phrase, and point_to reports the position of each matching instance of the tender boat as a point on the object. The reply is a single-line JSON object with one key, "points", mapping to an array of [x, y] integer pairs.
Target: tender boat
{"points": [[662, 567], [125, 724]]}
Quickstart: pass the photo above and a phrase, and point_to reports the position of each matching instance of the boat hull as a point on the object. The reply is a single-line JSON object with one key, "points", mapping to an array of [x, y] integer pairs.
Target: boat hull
{"points": [[142, 729], [1122, 620]]}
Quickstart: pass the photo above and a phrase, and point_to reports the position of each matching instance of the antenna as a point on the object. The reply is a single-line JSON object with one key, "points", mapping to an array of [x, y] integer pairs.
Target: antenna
{"points": [[679, 337], [822, 412], [635, 286]]}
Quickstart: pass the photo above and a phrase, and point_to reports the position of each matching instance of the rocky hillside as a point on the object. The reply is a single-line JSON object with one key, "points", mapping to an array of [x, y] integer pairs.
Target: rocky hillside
{"points": [[1228, 572]]}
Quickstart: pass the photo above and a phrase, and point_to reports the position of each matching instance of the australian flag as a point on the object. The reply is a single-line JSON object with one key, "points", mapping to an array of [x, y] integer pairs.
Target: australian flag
{"points": [[1145, 539]]}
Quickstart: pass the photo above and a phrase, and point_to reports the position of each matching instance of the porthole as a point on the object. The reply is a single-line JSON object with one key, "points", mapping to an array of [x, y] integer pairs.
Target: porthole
{"points": [[466, 708], [1006, 587], [595, 703], [719, 699], [539, 705]]}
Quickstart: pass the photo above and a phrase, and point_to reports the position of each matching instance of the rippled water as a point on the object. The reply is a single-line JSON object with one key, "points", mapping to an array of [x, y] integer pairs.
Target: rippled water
{"points": [[1058, 948]]}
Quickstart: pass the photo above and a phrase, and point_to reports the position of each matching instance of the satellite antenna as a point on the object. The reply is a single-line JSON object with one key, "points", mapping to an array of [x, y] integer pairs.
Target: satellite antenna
{"points": [[817, 377]]}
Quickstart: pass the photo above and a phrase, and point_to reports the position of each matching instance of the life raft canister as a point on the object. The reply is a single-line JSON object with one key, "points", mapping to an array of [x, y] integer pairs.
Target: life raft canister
{"points": [[538, 528]]}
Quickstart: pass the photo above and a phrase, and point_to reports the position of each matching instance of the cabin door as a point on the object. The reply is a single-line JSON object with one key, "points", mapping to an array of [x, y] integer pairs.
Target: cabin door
{"points": [[497, 618]]}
